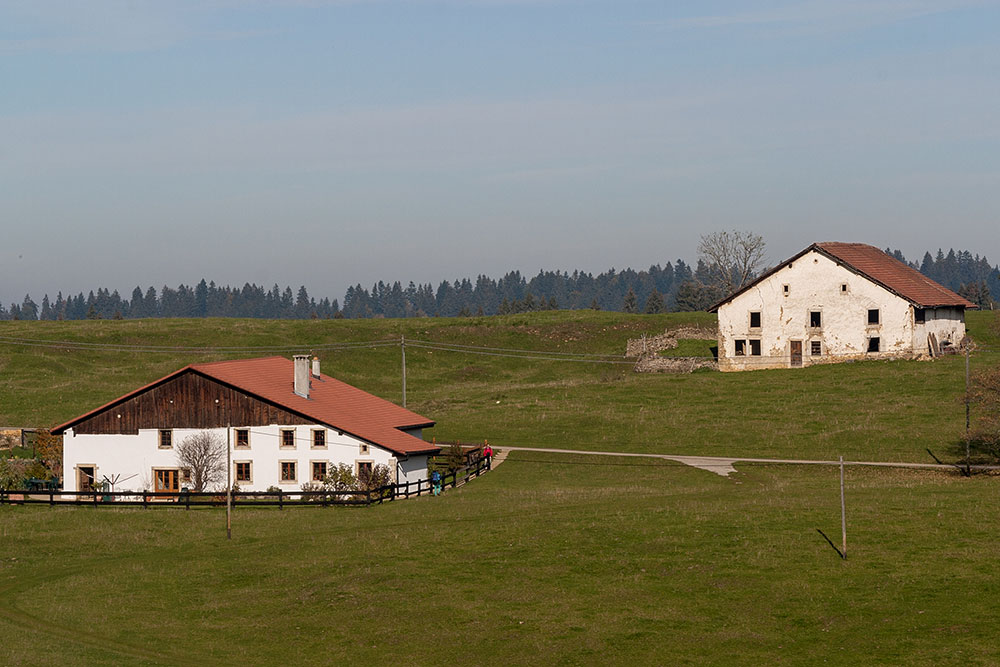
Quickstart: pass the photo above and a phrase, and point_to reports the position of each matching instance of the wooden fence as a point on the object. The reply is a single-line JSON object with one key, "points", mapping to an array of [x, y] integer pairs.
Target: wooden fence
{"points": [[279, 498]]}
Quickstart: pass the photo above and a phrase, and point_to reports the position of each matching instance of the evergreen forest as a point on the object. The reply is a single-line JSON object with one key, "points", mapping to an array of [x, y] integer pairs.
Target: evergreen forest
{"points": [[674, 286]]}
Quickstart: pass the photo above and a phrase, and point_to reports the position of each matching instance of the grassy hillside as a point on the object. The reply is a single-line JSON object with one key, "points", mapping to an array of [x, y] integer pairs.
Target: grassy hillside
{"points": [[547, 559], [881, 410]]}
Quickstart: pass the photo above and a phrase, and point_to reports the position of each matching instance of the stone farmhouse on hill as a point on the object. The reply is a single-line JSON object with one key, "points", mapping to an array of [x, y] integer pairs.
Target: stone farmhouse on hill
{"points": [[286, 423], [836, 302]]}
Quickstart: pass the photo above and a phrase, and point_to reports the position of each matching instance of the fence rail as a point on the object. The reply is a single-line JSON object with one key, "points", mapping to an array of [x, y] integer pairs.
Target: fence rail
{"points": [[280, 498]]}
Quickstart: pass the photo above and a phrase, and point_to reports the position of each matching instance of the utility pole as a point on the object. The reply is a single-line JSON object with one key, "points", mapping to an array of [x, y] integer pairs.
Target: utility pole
{"points": [[229, 485], [968, 469], [843, 513], [402, 347]]}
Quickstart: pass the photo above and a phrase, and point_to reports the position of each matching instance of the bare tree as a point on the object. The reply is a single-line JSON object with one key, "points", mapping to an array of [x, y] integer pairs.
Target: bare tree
{"points": [[204, 454], [733, 257]]}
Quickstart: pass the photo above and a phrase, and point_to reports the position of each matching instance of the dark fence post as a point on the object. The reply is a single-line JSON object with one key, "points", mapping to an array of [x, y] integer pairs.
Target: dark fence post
{"points": [[52, 497], [281, 504]]}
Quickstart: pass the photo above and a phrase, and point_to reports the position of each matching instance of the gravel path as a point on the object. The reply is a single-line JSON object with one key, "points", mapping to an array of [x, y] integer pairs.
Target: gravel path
{"points": [[723, 465]]}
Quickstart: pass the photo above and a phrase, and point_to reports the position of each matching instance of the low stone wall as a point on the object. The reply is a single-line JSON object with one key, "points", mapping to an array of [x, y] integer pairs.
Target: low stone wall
{"points": [[646, 351], [638, 347], [658, 364]]}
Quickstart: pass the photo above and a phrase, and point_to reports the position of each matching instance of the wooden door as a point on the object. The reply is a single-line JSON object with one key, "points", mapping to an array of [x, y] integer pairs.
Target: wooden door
{"points": [[84, 478], [796, 353], [167, 481]]}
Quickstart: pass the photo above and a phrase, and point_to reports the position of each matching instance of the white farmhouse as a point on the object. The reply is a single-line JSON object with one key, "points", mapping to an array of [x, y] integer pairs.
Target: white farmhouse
{"points": [[834, 302], [285, 422]]}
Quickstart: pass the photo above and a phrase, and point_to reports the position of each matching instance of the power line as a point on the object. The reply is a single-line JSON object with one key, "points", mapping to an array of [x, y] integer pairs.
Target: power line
{"points": [[125, 347], [510, 349], [502, 352], [524, 354]]}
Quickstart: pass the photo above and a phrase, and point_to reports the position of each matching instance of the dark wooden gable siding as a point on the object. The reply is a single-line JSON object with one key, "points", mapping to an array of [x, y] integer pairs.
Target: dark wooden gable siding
{"points": [[187, 401]]}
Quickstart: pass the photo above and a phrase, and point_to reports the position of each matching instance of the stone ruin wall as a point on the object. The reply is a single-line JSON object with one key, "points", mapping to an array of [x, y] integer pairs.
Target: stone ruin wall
{"points": [[646, 351]]}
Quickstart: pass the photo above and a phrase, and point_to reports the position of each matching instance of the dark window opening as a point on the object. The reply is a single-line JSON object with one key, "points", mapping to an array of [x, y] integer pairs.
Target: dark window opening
{"points": [[243, 471], [755, 320], [843, 287], [815, 319], [755, 348], [741, 348], [166, 438], [919, 315], [815, 348], [873, 317], [242, 438], [873, 344], [785, 289], [288, 438], [288, 472]]}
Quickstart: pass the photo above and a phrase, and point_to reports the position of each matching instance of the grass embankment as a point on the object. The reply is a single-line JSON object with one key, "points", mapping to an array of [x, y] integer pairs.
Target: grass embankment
{"points": [[546, 560]]}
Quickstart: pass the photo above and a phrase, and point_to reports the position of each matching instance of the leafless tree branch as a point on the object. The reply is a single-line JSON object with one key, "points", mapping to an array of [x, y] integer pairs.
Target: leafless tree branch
{"points": [[205, 454], [734, 258]]}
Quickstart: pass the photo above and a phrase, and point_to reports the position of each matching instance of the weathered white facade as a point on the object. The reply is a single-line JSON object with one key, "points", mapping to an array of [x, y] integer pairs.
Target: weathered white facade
{"points": [[818, 308], [133, 460]]}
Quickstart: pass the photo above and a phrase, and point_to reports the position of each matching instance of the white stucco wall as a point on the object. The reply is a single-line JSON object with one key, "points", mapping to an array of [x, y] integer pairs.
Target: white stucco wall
{"points": [[134, 457], [817, 283]]}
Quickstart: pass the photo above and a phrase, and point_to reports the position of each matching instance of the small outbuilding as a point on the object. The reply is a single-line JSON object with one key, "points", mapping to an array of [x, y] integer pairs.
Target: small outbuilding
{"points": [[836, 302], [285, 422]]}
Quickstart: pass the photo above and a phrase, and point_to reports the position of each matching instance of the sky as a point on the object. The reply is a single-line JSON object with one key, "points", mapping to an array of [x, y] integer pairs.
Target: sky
{"points": [[331, 143]]}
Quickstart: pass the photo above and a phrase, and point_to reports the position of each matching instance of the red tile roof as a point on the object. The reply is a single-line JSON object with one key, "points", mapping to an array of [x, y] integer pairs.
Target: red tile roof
{"points": [[882, 269], [331, 402], [892, 274]]}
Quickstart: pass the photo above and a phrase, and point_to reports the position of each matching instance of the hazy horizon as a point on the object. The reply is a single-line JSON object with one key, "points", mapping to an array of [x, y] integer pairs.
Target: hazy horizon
{"points": [[337, 142]]}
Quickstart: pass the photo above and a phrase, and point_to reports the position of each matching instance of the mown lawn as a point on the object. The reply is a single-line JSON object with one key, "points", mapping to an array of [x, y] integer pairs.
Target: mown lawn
{"points": [[547, 560]]}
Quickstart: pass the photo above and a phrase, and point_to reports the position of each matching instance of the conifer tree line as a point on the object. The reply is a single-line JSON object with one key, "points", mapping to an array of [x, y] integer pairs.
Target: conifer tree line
{"points": [[671, 287]]}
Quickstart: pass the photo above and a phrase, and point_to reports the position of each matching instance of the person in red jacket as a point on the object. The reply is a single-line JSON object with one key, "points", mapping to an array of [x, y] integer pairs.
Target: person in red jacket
{"points": [[488, 455]]}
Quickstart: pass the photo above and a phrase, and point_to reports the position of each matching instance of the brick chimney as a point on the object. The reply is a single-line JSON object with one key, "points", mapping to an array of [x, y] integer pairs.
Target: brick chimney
{"points": [[301, 386]]}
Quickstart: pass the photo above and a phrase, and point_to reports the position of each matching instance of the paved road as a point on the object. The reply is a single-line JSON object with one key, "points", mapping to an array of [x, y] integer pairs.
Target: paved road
{"points": [[724, 465]]}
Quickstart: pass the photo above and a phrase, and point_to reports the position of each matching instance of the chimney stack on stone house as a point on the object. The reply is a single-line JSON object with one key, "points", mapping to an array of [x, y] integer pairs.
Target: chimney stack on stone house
{"points": [[316, 367], [301, 387]]}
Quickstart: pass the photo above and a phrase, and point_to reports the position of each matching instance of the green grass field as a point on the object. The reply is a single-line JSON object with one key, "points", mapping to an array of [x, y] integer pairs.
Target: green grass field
{"points": [[549, 558]]}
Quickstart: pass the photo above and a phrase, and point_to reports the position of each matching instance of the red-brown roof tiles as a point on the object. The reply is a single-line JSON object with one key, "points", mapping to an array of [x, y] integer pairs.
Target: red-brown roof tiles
{"points": [[889, 272], [331, 402]]}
